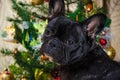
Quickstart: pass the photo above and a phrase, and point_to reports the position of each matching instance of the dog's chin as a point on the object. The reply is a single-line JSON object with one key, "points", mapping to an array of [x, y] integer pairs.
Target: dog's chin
{"points": [[49, 57]]}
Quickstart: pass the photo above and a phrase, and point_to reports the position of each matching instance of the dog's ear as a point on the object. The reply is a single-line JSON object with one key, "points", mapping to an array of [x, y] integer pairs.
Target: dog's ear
{"points": [[94, 24], [56, 8]]}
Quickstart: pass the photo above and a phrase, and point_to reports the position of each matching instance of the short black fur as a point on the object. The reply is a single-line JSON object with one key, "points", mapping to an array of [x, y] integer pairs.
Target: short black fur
{"points": [[72, 44]]}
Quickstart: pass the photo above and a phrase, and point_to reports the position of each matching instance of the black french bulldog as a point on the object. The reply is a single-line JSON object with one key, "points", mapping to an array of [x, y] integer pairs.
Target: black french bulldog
{"points": [[72, 45]]}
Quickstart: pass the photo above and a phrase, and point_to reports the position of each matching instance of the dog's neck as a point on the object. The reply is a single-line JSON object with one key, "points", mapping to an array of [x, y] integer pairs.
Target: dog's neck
{"points": [[94, 56], [97, 53]]}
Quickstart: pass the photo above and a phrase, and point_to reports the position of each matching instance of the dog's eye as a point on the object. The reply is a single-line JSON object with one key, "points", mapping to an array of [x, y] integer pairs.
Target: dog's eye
{"points": [[48, 33], [69, 42]]}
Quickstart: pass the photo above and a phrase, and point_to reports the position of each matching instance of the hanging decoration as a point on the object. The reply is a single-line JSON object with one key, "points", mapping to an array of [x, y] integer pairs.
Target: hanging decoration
{"points": [[6, 75], [36, 2], [84, 9], [58, 78], [32, 17], [41, 75], [104, 40], [111, 52], [46, 0], [105, 43], [9, 34], [25, 24], [15, 51], [23, 78], [89, 6]]}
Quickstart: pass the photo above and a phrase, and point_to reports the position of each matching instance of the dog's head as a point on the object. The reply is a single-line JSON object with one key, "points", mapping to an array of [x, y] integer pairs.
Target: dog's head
{"points": [[67, 41]]}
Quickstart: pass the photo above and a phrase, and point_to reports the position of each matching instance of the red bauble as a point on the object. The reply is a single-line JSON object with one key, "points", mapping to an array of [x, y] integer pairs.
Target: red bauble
{"points": [[58, 78], [32, 17], [89, 6], [46, 0], [103, 42]]}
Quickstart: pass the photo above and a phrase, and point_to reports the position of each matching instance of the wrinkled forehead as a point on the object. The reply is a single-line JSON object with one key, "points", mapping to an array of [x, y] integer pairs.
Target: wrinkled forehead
{"points": [[61, 22], [64, 27]]}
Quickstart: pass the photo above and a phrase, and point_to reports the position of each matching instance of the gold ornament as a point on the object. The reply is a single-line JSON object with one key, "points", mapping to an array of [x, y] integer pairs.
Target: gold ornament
{"points": [[36, 2], [10, 34], [41, 75], [111, 52], [77, 17], [6, 75], [38, 73], [15, 51], [10, 30], [23, 78]]}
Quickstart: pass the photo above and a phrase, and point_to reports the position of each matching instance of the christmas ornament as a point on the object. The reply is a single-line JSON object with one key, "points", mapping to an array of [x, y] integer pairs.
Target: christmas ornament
{"points": [[77, 18], [9, 33], [15, 51], [41, 75], [38, 73], [23, 78], [103, 33], [111, 52], [25, 24], [58, 78], [27, 37], [105, 37], [107, 34], [89, 6], [103, 41], [32, 17], [6, 75], [10, 30], [46, 0], [31, 37], [36, 2], [55, 73]]}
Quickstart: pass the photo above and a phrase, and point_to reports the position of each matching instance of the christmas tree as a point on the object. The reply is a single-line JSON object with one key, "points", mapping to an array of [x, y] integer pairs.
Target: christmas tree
{"points": [[27, 27]]}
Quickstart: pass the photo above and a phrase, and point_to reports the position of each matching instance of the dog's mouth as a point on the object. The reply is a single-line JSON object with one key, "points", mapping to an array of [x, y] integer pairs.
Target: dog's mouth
{"points": [[47, 57]]}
